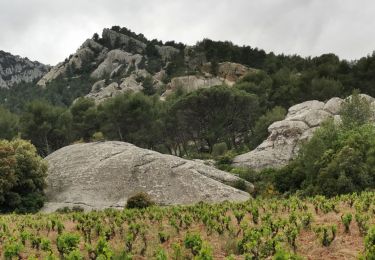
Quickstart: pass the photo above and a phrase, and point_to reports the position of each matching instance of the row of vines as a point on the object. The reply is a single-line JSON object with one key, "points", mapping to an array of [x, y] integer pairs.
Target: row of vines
{"points": [[293, 228]]}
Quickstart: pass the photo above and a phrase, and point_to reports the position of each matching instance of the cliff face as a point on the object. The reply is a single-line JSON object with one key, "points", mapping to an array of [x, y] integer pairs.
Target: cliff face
{"points": [[14, 69]]}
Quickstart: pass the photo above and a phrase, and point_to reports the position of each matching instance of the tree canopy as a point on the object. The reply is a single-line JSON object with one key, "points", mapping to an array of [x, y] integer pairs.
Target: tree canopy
{"points": [[22, 177]]}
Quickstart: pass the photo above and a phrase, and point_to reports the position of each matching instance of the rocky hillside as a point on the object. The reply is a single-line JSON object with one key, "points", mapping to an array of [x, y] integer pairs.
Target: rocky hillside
{"points": [[121, 61], [105, 174], [286, 136], [14, 69]]}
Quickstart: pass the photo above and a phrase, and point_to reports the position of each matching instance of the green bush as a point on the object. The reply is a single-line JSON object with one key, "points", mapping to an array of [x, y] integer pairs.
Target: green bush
{"points": [[160, 254], [193, 242], [370, 244], [67, 242], [224, 162], [346, 220], [219, 149], [12, 249], [140, 200], [67, 209], [45, 244], [74, 255], [22, 177], [98, 137], [327, 234]]}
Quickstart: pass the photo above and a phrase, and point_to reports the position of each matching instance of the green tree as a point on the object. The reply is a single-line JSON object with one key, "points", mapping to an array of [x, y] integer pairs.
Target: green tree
{"points": [[260, 132], [217, 114], [84, 119], [47, 126], [148, 86], [8, 124], [259, 84], [355, 111], [325, 88], [23, 174], [131, 118]]}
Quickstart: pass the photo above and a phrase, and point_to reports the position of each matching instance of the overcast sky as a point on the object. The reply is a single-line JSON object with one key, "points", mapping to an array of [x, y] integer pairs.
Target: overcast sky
{"points": [[50, 30]]}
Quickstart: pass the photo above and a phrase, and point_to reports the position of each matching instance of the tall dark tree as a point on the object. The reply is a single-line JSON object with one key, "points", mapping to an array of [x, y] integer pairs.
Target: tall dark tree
{"points": [[47, 126], [217, 114], [8, 124], [84, 119]]}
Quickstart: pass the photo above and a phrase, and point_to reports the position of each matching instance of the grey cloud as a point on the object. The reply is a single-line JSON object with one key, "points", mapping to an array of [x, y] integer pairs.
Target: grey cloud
{"points": [[49, 31]]}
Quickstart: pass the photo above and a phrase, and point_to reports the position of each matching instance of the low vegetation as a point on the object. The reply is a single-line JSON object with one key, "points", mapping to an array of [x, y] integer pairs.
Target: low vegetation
{"points": [[314, 227]]}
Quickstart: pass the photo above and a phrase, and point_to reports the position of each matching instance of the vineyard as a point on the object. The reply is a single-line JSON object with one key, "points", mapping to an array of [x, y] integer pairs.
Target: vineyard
{"points": [[293, 228]]}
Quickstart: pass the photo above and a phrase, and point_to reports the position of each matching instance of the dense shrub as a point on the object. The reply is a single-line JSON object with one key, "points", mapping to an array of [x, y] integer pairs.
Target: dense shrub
{"points": [[219, 149], [22, 177], [140, 200], [67, 242]]}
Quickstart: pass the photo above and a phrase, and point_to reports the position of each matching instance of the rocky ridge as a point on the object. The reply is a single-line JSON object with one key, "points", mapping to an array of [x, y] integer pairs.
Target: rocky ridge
{"points": [[105, 174], [285, 136], [14, 70], [118, 63]]}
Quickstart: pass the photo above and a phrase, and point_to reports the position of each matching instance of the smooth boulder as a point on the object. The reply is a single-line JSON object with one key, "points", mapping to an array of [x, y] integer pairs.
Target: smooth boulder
{"points": [[105, 174]]}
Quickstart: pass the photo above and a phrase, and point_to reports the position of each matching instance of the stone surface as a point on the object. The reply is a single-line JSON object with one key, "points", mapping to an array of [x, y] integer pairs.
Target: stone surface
{"points": [[113, 60], [167, 52], [14, 70], [115, 38], [101, 92], [286, 136], [121, 58], [84, 55], [105, 174], [333, 105], [191, 83]]}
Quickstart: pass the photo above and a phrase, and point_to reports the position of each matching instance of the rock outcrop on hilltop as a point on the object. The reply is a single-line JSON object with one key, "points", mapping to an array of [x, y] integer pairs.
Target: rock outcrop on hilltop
{"points": [[227, 73], [118, 63], [286, 136], [14, 70], [105, 174]]}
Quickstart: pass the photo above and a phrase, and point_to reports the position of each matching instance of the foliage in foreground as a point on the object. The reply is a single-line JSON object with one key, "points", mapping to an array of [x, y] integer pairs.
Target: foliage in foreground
{"points": [[255, 229], [22, 177]]}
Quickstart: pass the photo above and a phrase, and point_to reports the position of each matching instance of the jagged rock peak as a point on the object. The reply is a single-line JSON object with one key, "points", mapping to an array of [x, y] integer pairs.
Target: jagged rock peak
{"points": [[15, 69]]}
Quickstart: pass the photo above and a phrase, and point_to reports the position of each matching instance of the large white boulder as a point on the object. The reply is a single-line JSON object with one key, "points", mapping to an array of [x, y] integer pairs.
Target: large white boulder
{"points": [[105, 174]]}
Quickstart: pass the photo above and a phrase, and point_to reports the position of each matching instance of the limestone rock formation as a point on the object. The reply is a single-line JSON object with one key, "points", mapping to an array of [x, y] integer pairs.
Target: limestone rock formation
{"points": [[121, 57], [118, 39], [114, 62], [89, 51], [101, 91], [191, 83], [229, 72], [286, 136], [104, 174], [14, 69]]}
